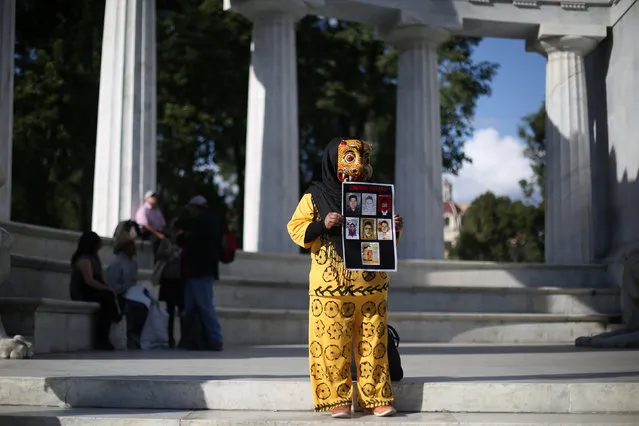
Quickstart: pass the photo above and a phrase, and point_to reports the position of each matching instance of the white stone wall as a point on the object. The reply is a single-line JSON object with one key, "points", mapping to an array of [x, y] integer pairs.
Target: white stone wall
{"points": [[614, 126]]}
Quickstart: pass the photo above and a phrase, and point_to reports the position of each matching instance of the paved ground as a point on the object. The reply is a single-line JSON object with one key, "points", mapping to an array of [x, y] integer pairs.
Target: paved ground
{"points": [[422, 363], [19, 416]]}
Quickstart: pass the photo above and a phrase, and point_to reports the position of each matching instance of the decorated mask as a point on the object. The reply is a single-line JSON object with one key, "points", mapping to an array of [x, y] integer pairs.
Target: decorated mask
{"points": [[354, 161]]}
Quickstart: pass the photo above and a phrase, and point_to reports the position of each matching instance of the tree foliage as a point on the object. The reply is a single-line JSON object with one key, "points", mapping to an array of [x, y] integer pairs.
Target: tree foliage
{"points": [[346, 79], [55, 111], [532, 131], [499, 229]]}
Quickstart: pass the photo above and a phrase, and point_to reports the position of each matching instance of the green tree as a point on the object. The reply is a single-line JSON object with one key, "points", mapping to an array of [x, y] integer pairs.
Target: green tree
{"points": [[499, 229], [532, 131], [55, 110], [346, 87], [348, 83], [203, 61]]}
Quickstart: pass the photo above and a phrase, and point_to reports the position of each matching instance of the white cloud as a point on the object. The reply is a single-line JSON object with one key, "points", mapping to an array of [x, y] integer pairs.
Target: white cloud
{"points": [[498, 165]]}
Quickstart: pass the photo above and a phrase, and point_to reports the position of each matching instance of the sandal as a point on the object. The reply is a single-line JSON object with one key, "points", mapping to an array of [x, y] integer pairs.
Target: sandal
{"points": [[342, 412], [384, 411]]}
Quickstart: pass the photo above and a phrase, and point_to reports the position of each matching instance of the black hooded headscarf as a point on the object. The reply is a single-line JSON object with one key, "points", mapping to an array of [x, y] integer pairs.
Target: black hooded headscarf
{"points": [[327, 192]]}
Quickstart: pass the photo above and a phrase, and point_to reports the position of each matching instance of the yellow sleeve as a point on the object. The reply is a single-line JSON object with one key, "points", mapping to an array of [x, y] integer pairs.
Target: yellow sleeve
{"points": [[399, 236], [302, 217]]}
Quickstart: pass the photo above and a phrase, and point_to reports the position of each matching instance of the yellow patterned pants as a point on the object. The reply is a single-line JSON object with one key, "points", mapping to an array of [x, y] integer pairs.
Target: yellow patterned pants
{"points": [[336, 326]]}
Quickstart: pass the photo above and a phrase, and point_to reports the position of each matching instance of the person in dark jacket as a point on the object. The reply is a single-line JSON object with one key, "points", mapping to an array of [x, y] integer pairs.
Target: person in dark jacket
{"points": [[201, 241]]}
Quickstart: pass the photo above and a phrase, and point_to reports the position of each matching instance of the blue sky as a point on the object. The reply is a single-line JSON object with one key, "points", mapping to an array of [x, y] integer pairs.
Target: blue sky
{"points": [[518, 89]]}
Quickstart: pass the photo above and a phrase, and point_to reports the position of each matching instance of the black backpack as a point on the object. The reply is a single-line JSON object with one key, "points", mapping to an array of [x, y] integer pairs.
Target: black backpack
{"points": [[394, 361]]}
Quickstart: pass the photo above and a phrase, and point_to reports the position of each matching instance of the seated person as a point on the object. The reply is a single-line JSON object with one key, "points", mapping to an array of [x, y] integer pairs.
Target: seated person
{"points": [[88, 285], [122, 276]]}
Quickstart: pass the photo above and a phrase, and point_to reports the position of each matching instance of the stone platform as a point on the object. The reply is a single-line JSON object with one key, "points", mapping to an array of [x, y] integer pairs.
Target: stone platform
{"points": [[438, 378], [29, 416]]}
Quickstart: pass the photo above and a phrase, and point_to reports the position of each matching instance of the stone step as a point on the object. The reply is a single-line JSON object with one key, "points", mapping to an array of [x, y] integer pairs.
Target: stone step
{"points": [[64, 326], [31, 416], [438, 378], [243, 293], [412, 395], [58, 245], [51, 325], [277, 326], [37, 277]]}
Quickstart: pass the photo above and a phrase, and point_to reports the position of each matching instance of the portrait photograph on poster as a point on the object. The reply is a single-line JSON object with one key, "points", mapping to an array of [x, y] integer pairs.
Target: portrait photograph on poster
{"points": [[368, 230], [352, 228], [384, 229], [368, 234], [353, 206], [370, 254], [369, 204], [384, 205]]}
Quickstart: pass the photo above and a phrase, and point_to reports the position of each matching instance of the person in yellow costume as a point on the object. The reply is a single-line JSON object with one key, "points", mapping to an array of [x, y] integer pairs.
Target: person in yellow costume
{"points": [[347, 309]]}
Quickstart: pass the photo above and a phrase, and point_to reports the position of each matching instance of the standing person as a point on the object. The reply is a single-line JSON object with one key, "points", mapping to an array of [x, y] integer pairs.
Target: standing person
{"points": [[89, 285], [169, 264], [346, 307], [150, 218], [201, 241]]}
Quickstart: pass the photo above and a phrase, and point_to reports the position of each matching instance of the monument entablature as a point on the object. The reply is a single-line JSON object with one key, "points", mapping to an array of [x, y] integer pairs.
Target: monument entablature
{"points": [[482, 18]]}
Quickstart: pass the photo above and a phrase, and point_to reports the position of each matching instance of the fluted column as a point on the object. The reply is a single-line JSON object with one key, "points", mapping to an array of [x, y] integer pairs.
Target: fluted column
{"points": [[7, 46], [569, 221], [125, 158], [418, 163], [271, 187]]}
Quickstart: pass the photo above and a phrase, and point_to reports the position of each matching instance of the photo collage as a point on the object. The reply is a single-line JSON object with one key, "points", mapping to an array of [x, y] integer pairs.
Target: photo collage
{"points": [[368, 237]]}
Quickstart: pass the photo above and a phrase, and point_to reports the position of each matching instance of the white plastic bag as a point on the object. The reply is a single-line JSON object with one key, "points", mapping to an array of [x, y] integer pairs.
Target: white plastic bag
{"points": [[155, 334]]}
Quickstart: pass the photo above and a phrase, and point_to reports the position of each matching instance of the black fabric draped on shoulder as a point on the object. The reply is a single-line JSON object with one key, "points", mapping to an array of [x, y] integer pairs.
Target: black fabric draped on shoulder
{"points": [[326, 191]]}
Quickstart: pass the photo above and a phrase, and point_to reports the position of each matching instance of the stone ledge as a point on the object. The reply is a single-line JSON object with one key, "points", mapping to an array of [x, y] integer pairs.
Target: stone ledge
{"points": [[52, 325], [54, 234], [428, 316], [39, 231], [413, 395], [39, 263], [30, 304]]}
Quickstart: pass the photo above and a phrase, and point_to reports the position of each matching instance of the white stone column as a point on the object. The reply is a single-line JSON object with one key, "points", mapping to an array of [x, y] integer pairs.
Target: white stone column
{"points": [[271, 189], [125, 158], [569, 221], [7, 48], [418, 163]]}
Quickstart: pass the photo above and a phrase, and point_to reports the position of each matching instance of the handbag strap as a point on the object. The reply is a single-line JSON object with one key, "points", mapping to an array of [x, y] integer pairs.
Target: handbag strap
{"points": [[392, 333]]}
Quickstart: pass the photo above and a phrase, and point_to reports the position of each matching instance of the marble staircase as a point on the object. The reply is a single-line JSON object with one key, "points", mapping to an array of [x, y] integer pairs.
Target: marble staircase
{"points": [[482, 343], [262, 298]]}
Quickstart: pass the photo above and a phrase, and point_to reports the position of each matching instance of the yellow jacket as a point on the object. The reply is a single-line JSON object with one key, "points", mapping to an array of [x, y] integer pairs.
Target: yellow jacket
{"points": [[328, 276]]}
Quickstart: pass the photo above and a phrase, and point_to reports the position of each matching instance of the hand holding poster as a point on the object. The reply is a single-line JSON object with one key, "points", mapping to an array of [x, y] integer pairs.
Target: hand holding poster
{"points": [[368, 235]]}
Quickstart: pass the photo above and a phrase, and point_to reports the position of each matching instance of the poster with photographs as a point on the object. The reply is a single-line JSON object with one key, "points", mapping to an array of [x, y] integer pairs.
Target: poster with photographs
{"points": [[369, 231]]}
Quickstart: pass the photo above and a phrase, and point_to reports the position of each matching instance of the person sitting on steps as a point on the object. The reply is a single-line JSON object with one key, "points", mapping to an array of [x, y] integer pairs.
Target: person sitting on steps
{"points": [[89, 285]]}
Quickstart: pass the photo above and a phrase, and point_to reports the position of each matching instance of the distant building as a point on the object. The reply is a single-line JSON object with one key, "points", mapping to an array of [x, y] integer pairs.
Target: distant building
{"points": [[453, 214]]}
